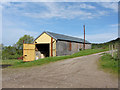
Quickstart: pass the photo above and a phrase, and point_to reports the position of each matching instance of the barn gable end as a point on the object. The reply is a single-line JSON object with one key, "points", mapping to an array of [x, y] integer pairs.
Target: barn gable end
{"points": [[43, 38]]}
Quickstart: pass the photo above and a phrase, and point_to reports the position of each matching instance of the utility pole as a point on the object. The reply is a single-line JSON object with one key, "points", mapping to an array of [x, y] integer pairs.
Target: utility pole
{"points": [[84, 36]]}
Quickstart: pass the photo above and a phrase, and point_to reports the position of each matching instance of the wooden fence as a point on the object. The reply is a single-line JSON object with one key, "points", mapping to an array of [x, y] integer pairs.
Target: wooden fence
{"points": [[114, 49]]}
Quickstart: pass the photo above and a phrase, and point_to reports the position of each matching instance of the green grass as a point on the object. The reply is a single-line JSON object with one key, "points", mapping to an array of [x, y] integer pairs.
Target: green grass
{"points": [[109, 64], [10, 62], [53, 59]]}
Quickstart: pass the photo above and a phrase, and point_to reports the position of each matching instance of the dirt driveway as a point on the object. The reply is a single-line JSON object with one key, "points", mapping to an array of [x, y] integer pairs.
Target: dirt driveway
{"points": [[80, 72]]}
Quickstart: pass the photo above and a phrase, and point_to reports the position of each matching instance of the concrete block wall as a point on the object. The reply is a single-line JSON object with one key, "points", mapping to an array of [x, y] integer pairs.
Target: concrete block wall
{"points": [[87, 46], [62, 47], [74, 47], [81, 46]]}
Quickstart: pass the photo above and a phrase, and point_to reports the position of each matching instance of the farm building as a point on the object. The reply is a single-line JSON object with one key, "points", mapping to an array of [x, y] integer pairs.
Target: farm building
{"points": [[50, 44]]}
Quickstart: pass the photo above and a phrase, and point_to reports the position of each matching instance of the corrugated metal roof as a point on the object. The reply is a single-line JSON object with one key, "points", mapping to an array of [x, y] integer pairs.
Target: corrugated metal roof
{"points": [[65, 37]]}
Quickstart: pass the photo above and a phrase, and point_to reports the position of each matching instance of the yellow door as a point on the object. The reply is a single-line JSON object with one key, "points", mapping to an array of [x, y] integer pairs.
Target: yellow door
{"points": [[28, 52]]}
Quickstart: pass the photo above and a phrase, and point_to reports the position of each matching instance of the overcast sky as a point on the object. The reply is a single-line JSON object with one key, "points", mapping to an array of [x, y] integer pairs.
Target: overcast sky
{"points": [[101, 20]]}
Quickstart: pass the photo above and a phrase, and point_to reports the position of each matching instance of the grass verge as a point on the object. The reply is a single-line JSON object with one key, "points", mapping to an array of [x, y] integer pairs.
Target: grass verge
{"points": [[109, 64], [10, 61], [20, 63]]}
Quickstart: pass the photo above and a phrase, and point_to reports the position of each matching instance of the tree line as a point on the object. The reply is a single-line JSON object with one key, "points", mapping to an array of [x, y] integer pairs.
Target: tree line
{"points": [[15, 51]]}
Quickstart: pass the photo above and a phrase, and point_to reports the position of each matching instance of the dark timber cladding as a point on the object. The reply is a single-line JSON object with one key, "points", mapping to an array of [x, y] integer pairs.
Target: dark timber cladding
{"points": [[70, 46], [51, 46]]}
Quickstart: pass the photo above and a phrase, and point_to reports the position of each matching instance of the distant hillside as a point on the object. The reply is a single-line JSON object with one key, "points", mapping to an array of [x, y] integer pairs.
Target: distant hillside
{"points": [[106, 44], [114, 41]]}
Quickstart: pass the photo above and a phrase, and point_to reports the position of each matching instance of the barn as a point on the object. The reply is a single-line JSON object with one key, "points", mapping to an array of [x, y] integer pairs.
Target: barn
{"points": [[50, 44]]}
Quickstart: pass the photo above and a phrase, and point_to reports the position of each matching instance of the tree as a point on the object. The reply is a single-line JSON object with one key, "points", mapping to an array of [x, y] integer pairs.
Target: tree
{"points": [[15, 51], [26, 38], [10, 52], [1, 46]]}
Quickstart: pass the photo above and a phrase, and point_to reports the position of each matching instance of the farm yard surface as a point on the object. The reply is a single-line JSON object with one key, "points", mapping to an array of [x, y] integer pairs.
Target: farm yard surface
{"points": [[79, 72]]}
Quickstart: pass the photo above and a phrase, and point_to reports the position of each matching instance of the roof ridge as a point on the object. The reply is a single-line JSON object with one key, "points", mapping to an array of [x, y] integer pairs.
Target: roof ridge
{"points": [[64, 35], [58, 36]]}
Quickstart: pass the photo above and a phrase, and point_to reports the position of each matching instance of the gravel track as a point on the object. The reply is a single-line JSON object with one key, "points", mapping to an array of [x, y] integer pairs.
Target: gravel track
{"points": [[80, 72]]}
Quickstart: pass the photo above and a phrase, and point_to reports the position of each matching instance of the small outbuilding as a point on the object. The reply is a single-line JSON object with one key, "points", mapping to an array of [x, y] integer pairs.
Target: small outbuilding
{"points": [[50, 44]]}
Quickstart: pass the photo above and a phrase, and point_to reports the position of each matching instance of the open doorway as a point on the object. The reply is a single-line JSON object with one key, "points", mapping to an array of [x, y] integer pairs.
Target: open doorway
{"points": [[42, 50]]}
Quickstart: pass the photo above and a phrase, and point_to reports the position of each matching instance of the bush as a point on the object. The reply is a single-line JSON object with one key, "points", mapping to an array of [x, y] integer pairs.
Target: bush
{"points": [[6, 55]]}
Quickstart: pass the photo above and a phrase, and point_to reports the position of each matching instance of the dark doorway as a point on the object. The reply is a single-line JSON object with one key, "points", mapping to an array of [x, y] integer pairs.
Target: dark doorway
{"points": [[43, 48]]}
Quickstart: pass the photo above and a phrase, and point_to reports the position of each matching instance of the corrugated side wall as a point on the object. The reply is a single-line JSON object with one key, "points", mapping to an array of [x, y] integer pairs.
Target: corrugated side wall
{"points": [[63, 48]]}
